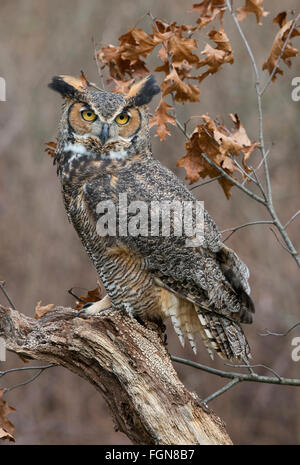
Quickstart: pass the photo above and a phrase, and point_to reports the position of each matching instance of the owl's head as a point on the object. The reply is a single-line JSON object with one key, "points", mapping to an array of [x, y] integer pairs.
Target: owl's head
{"points": [[100, 124]]}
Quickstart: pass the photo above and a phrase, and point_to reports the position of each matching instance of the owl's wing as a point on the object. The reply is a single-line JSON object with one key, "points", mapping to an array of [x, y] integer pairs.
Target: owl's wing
{"points": [[210, 276]]}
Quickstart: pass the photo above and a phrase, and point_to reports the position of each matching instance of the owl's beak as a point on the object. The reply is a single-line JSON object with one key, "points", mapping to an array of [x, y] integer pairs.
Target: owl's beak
{"points": [[104, 133]]}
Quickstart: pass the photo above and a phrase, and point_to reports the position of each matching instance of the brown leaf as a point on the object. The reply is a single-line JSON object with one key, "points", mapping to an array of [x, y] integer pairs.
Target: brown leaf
{"points": [[278, 45], [215, 57], [220, 145], [242, 138], [208, 10], [161, 118], [182, 92], [137, 43], [119, 67], [6, 426], [41, 310], [181, 50], [51, 148], [280, 19], [5, 435], [92, 296], [122, 87], [252, 6]]}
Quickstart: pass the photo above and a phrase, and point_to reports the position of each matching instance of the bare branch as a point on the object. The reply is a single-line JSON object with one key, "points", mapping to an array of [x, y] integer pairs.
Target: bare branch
{"points": [[14, 370], [240, 376], [28, 381], [279, 241], [2, 284], [100, 73], [291, 219], [206, 182], [234, 181], [269, 203], [225, 388], [236, 228], [270, 333], [255, 366]]}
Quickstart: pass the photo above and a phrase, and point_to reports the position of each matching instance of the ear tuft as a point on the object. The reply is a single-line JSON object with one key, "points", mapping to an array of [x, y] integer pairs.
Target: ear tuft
{"points": [[69, 86], [142, 92]]}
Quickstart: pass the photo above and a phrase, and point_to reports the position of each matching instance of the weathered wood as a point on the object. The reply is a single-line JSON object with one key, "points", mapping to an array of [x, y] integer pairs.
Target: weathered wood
{"points": [[127, 363]]}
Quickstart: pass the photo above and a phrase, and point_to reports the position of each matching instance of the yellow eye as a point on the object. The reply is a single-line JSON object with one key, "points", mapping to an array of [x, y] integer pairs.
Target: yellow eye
{"points": [[88, 115], [122, 118]]}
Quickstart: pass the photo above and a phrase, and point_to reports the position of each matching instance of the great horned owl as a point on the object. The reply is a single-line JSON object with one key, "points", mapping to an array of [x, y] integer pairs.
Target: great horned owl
{"points": [[103, 150]]}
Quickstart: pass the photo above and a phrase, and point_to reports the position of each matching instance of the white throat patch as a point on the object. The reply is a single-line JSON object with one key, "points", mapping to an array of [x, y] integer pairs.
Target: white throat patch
{"points": [[120, 155], [78, 150]]}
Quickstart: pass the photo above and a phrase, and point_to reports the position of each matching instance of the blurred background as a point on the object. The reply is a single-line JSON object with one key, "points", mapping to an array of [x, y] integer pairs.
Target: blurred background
{"points": [[41, 256]]}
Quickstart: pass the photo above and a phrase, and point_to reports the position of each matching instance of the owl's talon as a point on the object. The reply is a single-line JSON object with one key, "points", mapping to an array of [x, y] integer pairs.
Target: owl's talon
{"points": [[95, 308], [87, 305]]}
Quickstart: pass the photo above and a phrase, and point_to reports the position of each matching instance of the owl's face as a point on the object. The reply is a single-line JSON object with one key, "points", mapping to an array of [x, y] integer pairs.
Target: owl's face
{"points": [[102, 125]]}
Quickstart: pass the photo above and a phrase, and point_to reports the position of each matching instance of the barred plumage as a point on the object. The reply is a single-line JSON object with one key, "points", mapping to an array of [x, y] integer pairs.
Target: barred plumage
{"points": [[203, 289]]}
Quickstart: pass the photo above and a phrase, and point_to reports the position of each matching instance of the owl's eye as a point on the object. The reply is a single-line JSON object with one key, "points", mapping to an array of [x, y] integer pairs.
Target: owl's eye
{"points": [[122, 118], [88, 115]]}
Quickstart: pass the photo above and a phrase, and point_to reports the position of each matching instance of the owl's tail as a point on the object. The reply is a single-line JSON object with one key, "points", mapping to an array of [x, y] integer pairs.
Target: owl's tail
{"points": [[224, 336], [218, 333]]}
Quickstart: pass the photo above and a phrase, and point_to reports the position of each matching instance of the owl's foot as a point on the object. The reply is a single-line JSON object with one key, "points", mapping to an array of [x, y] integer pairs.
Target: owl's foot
{"points": [[95, 308]]}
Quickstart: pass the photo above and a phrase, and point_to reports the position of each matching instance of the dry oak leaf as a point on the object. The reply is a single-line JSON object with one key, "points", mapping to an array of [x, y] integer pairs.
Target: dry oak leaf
{"points": [[5, 435], [182, 92], [242, 138], [51, 148], [92, 296], [119, 67], [252, 6], [161, 118], [195, 165], [41, 310], [220, 145], [122, 87], [136, 43], [208, 10], [6, 426], [181, 50], [278, 45], [215, 57]]}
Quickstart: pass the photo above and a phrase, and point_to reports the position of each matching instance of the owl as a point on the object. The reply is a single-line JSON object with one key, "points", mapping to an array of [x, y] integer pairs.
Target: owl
{"points": [[104, 152]]}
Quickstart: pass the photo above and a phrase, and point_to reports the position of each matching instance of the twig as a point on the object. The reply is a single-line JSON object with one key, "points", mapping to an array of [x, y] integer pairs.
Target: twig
{"points": [[233, 230], [280, 55], [231, 179], [36, 375], [225, 388], [270, 333], [279, 241], [70, 291], [13, 370], [236, 228], [24, 382], [247, 175], [291, 219], [255, 366], [2, 284], [269, 203], [100, 73], [241, 376], [207, 182]]}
